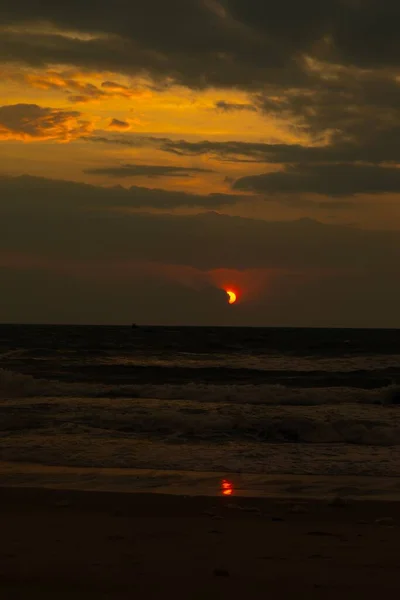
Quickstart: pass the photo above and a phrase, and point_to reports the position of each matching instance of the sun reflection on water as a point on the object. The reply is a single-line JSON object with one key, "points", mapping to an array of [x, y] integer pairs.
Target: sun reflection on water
{"points": [[226, 487]]}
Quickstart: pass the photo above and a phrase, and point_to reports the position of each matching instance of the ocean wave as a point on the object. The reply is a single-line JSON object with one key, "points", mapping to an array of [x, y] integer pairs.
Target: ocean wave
{"points": [[176, 420], [289, 430], [192, 424], [17, 385]]}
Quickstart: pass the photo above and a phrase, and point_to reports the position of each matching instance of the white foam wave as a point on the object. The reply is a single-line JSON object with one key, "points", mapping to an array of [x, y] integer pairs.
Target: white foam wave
{"points": [[174, 420], [16, 385]]}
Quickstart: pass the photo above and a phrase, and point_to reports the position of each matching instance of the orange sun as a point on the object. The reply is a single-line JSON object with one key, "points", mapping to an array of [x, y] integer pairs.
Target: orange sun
{"points": [[232, 296]]}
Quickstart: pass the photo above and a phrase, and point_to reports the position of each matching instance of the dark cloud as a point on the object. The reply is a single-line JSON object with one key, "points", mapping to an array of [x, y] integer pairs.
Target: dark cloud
{"points": [[114, 86], [60, 253], [360, 32], [230, 150], [146, 171], [330, 68], [329, 180], [347, 105], [117, 124], [48, 217], [349, 24], [210, 49], [27, 194], [230, 107], [243, 37], [381, 147], [133, 140], [319, 169]]}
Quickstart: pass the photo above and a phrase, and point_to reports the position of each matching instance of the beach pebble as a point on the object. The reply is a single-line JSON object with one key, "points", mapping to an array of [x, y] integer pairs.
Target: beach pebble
{"points": [[220, 573]]}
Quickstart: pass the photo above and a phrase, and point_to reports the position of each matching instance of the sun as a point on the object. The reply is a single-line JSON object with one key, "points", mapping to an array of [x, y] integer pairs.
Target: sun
{"points": [[232, 296]]}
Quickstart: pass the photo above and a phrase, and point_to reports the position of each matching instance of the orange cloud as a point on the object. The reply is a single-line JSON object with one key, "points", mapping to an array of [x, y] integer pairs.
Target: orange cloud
{"points": [[118, 89], [74, 84], [30, 122]]}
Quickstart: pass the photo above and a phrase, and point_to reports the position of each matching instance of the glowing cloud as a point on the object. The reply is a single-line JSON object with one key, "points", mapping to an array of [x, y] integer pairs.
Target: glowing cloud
{"points": [[30, 122]]}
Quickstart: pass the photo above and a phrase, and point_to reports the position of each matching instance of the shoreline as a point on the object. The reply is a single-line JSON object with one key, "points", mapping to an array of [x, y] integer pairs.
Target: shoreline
{"points": [[197, 483], [149, 501]]}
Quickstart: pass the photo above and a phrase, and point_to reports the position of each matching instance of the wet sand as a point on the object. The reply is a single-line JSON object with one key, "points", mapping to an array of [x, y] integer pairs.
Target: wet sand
{"points": [[70, 544]]}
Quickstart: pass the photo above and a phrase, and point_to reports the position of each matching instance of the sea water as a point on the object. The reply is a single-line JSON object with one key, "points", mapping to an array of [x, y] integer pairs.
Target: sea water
{"points": [[282, 402]]}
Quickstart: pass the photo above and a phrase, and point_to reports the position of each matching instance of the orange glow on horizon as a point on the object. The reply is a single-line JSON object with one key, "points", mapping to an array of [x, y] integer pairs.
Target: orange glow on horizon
{"points": [[226, 487]]}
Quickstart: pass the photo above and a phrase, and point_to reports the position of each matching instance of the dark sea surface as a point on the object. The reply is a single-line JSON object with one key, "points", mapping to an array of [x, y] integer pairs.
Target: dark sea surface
{"points": [[251, 400]]}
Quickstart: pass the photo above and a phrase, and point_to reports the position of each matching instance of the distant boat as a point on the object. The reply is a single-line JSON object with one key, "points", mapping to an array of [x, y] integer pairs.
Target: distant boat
{"points": [[134, 325]]}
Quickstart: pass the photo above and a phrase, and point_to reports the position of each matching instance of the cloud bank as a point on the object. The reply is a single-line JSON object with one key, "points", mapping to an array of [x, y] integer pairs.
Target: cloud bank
{"points": [[168, 268]]}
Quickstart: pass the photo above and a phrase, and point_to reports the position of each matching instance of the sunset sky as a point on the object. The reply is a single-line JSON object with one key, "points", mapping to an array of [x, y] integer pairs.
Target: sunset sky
{"points": [[153, 154]]}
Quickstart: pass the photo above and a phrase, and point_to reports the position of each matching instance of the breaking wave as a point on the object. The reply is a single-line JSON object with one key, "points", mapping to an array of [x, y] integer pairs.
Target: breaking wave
{"points": [[16, 385], [185, 423]]}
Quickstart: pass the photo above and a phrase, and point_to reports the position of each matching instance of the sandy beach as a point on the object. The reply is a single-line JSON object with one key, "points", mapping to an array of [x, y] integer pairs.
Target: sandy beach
{"points": [[74, 544]]}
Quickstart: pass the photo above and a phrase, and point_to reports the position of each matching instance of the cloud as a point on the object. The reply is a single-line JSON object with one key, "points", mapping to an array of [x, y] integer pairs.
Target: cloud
{"points": [[205, 68], [66, 246], [228, 151], [53, 196], [115, 86], [380, 148], [56, 213], [133, 140], [227, 42], [214, 49], [331, 170], [352, 32], [339, 103], [146, 171], [30, 122], [327, 71], [232, 151], [73, 83], [230, 107], [329, 180], [117, 124], [338, 84]]}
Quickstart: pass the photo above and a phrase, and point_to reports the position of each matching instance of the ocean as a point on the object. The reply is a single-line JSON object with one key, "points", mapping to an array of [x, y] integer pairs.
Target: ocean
{"points": [[235, 401]]}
